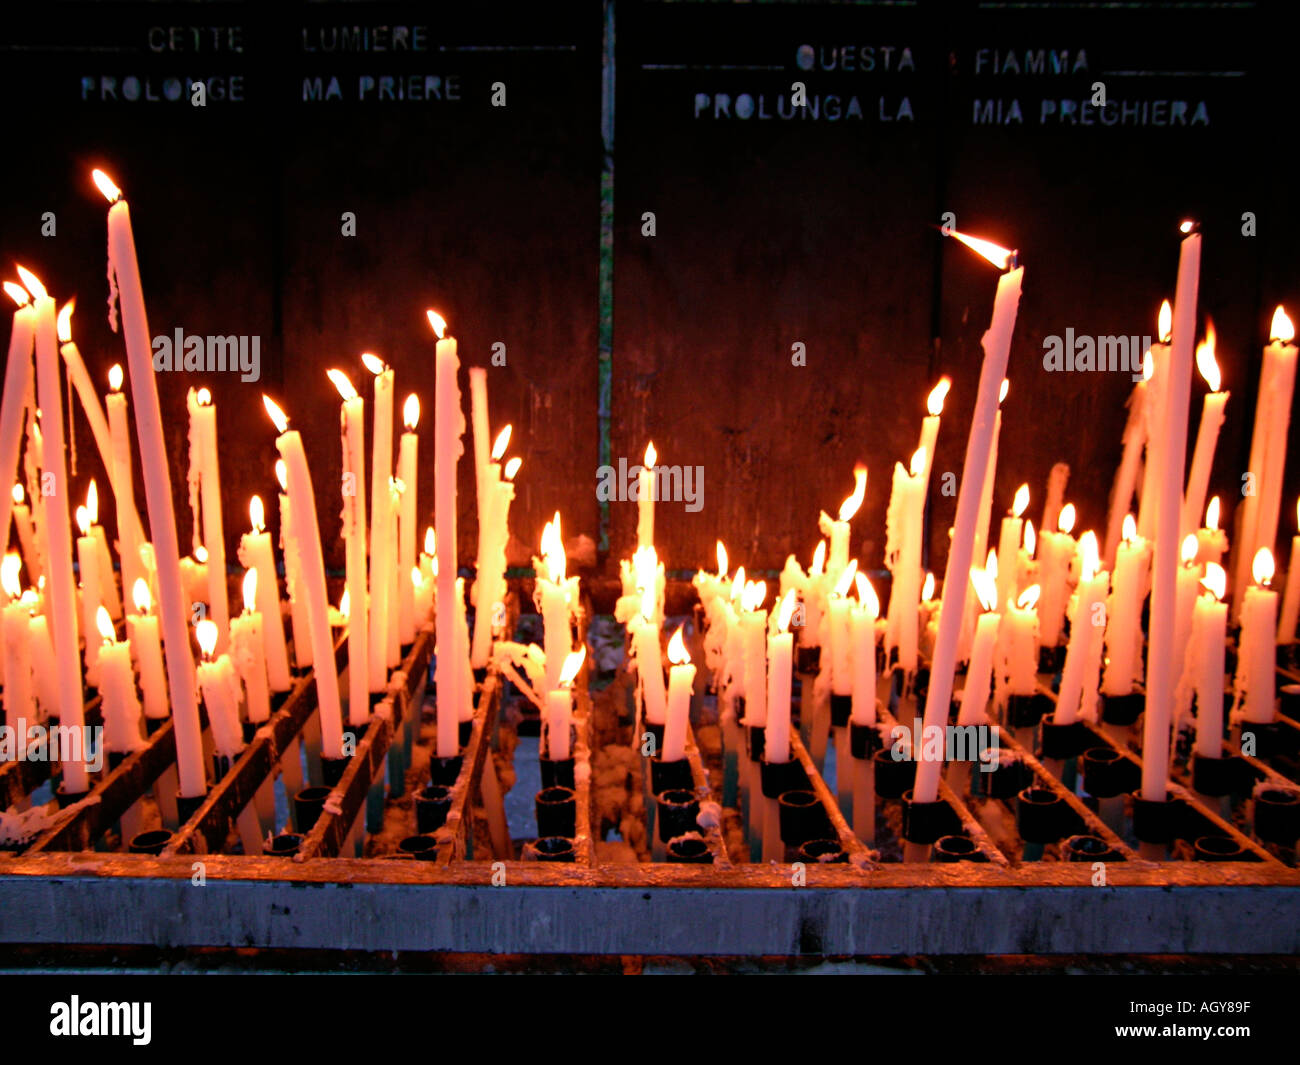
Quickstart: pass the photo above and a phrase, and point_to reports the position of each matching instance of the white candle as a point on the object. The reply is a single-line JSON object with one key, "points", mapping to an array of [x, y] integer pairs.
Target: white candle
{"points": [[393, 647], [559, 708], [780, 653], [407, 472], [44, 670], [1290, 616], [1124, 612], [381, 562], [20, 709], [813, 591], [1211, 628], [489, 585], [18, 382], [1017, 645], [1188, 586], [203, 445], [681, 679], [293, 575], [1256, 661], [1121, 496], [88, 563], [753, 629], [1207, 435], [1211, 541], [903, 546], [255, 552], [1009, 546], [997, 348], [60, 590], [864, 652], [352, 424], [146, 649], [1170, 453], [975, 696], [22, 515], [249, 654], [107, 584], [121, 707], [645, 499], [1056, 550], [129, 533], [1157, 390], [1085, 633], [307, 534], [839, 634], [838, 531], [553, 595], [982, 530], [220, 693], [158, 491]]}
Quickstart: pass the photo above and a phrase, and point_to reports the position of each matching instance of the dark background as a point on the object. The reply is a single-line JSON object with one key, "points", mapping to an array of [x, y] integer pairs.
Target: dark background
{"points": [[768, 232]]}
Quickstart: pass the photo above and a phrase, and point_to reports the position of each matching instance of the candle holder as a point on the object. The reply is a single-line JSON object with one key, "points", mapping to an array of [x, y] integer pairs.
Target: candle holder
{"points": [[421, 848], [1067, 740], [549, 849], [308, 805], [1218, 849], [1008, 777], [776, 778], [801, 818], [187, 805], [1155, 821], [956, 848], [151, 842], [676, 813], [656, 733], [332, 769], [1084, 848], [1271, 740], [557, 812], [667, 775], [1289, 701], [432, 805], [1026, 711], [1277, 815], [285, 845], [864, 740], [893, 775], [545, 744], [807, 659], [1217, 777], [1107, 773], [841, 708], [1043, 816], [445, 771], [1122, 710], [557, 772], [925, 822], [755, 742], [823, 852], [690, 850], [67, 798]]}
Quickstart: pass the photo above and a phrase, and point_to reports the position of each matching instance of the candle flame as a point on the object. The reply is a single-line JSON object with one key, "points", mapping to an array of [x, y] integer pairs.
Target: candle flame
{"points": [[1186, 226], [1189, 549], [1215, 580], [1021, 501], [1031, 540], [553, 549], [430, 541], [934, 402], [18, 494], [1165, 322], [998, 256], [257, 514], [206, 630], [853, 501], [1205, 361], [92, 502], [411, 412], [677, 653], [645, 565], [1065, 520], [200, 554], [1148, 366], [754, 594], [1002, 392], [845, 582], [1091, 555], [438, 322], [1028, 598], [918, 462], [1282, 328], [345, 604], [104, 624], [32, 283], [867, 594], [501, 443], [986, 587], [250, 589], [105, 185], [203, 397], [786, 612], [282, 475], [63, 322], [9, 575], [1261, 568], [140, 596], [83, 521], [512, 467], [927, 589], [819, 559], [373, 363], [17, 293], [738, 586], [342, 384], [991, 563], [722, 560], [277, 415], [1129, 530], [573, 665], [115, 377], [651, 455]]}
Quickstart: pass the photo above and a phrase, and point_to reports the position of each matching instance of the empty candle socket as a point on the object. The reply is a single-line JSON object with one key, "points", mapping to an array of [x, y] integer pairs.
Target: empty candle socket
{"points": [[676, 812], [285, 845], [1277, 815], [925, 822], [802, 818], [187, 805], [690, 850], [432, 805], [549, 849], [308, 805], [841, 708], [151, 842], [893, 775], [332, 770], [1043, 816], [823, 852], [1067, 740], [1218, 849], [422, 848], [954, 848], [557, 812], [1089, 849], [1107, 773], [667, 775]]}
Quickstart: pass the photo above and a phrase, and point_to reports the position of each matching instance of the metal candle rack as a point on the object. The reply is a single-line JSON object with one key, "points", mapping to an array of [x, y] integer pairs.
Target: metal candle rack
{"points": [[1007, 894]]}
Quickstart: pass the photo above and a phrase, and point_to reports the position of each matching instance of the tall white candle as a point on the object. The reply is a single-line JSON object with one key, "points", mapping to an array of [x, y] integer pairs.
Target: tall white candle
{"points": [[20, 708], [1017, 646], [645, 499], [839, 634], [407, 473], [18, 382], [489, 586], [1286, 626], [681, 679], [1085, 633], [249, 654], [121, 707], [293, 575], [88, 563], [1157, 395], [1009, 546], [559, 708], [753, 629], [220, 689], [255, 552], [22, 516], [864, 652], [107, 584], [780, 656], [975, 696], [129, 533], [1056, 550], [1124, 613], [146, 649], [158, 491], [838, 531], [1211, 627], [982, 530], [1121, 496], [1207, 435], [1211, 541], [1256, 662], [203, 439], [381, 469], [352, 426]]}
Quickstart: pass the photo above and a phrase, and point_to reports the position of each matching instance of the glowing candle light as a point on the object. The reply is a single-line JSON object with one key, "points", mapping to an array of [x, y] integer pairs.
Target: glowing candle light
{"points": [[256, 553], [780, 652], [249, 653], [559, 707], [1256, 661], [407, 473], [681, 679], [353, 427], [903, 545], [220, 690], [146, 649], [1124, 612], [1009, 545], [205, 495], [293, 574], [645, 499], [864, 652], [1056, 550], [18, 381], [381, 469], [839, 632], [1207, 436], [88, 563], [19, 702], [1211, 633], [1211, 541], [1085, 633], [121, 707], [979, 673], [838, 531]]}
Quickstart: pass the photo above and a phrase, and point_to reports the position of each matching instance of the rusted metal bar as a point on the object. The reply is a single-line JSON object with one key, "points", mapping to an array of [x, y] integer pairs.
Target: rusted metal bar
{"points": [[452, 835]]}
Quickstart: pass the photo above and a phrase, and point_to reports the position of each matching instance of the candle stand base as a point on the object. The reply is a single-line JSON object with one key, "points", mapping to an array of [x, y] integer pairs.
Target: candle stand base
{"points": [[432, 804], [956, 849], [151, 842], [1277, 815], [823, 852], [925, 822], [549, 849], [676, 813], [1026, 711], [557, 812], [1155, 821], [1217, 849], [285, 845]]}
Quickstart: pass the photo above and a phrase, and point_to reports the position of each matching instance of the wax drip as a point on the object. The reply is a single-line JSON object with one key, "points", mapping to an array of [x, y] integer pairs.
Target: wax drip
{"points": [[112, 293]]}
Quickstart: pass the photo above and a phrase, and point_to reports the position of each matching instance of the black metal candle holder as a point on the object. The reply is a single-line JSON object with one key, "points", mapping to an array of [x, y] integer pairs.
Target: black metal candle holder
{"points": [[1122, 710], [667, 775], [550, 849], [308, 805], [1084, 848], [422, 848], [925, 822], [285, 845], [1107, 773], [841, 708], [1230, 775], [690, 850], [954, 848], [557, 812], [1067, 740], [776, 778], [151, 842], [1007, 777], [432, 805], [1277, 815], [802, 817], [676, 813], [1043, 816], [445, 771], [893, 775], [864, 740], [187, 805], [1155, 821], [1218, 849], [557, 772]]}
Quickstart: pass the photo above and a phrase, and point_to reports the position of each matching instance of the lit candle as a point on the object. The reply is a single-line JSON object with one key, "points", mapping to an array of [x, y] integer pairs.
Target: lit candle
{"points": [[489, 584], [1186, 590], [864, 652], [812, 588], [107, 585], [352, 421], [681, 679], [1207, 436], [996, 343], [1085, 633], [903, 547], [930, 426], [293, 575], [753, 627], [780, 654], [307, 534], [838, 531], [554, 595], [1026, 567], [559, 708], [1124, 612], [255, 552], [158, 490], [88, 563], [249, 653], [22, 515], [1211, 541], [18, 381], [839, 634], [1286, 626], [1009, 546], [982, 530], [1267, 448], [979, 673], [121, 707], [407, 471], [220, 693], [1256, 661], [1211, 629], [1157, 391], [146, 649], [381, 469], [1017, 645], [1134, 438], [205, 490], [60, 591], [1056, 550], [129, 534], [44, 670], [393, 647], [20, 709]]}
